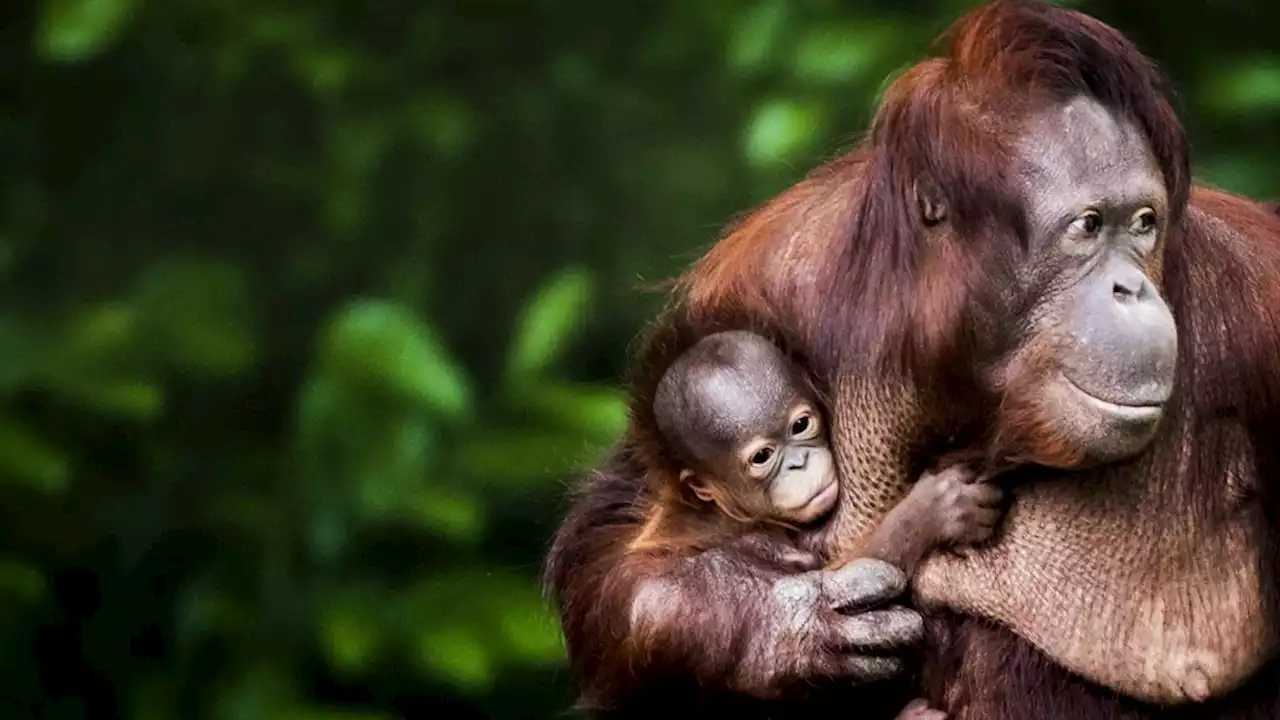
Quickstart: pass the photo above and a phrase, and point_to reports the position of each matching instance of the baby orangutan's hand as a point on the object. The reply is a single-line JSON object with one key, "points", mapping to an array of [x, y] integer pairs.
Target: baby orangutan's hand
{"points": [[920, 710], [965, 507], [955, 507]]}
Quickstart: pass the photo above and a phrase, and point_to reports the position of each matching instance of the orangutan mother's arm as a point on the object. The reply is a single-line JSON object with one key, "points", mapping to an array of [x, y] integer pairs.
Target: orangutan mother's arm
{"points": [[720, 620]]}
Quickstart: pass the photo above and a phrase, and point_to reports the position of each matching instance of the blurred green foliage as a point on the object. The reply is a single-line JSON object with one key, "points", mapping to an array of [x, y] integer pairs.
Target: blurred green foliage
{"points": [[312, 310]]}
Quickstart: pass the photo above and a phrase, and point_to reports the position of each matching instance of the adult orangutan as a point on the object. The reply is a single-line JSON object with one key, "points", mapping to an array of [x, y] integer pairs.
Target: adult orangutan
{"points": [[993, 266]]}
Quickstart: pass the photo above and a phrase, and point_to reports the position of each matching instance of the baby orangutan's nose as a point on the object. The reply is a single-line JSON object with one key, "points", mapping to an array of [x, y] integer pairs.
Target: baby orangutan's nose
{"points": [[797, 458]]}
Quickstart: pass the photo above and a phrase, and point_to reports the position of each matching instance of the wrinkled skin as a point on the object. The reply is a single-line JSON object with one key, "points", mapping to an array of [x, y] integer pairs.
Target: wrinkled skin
{"points": [[1100, 344], [820, 626]]}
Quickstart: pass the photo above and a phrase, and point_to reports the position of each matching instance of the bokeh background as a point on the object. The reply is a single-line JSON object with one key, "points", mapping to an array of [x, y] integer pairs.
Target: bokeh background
{"points": [[311, 310]]}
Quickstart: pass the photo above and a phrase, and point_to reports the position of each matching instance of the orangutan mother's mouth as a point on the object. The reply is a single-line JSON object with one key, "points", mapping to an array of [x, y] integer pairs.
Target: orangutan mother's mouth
{"points": [[1136, 413]]}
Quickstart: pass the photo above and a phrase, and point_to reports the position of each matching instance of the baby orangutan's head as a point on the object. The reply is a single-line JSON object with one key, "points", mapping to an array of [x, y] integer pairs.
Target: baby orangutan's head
{"points": [[748, 426]]}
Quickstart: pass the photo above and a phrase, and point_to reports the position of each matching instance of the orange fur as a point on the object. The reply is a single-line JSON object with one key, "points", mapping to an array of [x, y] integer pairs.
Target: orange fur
{"points": [[842, 272]]}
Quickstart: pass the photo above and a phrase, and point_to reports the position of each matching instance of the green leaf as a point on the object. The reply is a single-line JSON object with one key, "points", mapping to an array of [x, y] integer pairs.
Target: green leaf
{"points": [[96, 362], [392, 462], [318, 712], [444, 125], [757, 35], [549, 320], [74, 30], [781, 131], [479, 620], [1235, 173], [155, 697], [106, 332], [323, 415], [349, 635], [451, 512], [518, 460], [327, 528], [258, 693], [24, 354], [22, 580], [135, 399], [32, 461], [532, 633], [572, 72], [361, 453], [196, 317], [354, 148], [598, 413], [356, 145], [206, 610], [457, 655], [328, 70], [1250, 87], [842, 53], [381, 344]]}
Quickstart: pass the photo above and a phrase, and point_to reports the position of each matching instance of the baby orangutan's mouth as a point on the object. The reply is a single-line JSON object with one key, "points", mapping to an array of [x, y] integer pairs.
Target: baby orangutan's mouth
{"points": [[821, 504]]}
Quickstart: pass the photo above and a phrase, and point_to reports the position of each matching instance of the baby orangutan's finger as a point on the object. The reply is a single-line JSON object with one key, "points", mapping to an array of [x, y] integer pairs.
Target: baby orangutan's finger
{"points": [[986, 494], [920, 710]]}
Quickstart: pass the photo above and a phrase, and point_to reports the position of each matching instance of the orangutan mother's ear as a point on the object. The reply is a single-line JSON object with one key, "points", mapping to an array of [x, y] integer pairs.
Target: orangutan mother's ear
{"points": [[933, 207]]}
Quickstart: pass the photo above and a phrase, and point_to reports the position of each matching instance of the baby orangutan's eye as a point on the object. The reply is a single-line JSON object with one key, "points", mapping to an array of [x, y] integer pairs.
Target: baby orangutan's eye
{"points": [[800, 425], [762, 456]]}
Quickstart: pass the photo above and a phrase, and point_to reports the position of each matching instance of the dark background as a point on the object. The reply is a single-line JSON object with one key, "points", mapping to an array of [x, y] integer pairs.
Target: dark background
{"points": [[310, 310]]}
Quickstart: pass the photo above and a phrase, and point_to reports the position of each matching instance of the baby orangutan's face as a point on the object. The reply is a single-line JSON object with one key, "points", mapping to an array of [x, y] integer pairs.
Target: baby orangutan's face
{"points": [[794, 466], [780, 469], [751, 425]]}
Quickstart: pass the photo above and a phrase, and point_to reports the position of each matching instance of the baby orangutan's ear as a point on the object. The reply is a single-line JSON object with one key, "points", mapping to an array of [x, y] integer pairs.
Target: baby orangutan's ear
{"points": [[705, 492]]}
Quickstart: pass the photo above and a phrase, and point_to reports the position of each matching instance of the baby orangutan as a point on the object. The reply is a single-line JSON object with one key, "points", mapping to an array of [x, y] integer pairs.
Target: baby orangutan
{"points": [[757, 473], [745, 424]]}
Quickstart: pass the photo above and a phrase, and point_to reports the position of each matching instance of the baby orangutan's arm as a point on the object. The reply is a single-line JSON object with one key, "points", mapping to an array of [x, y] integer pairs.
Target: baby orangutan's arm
{"points": [[951, 507]]}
